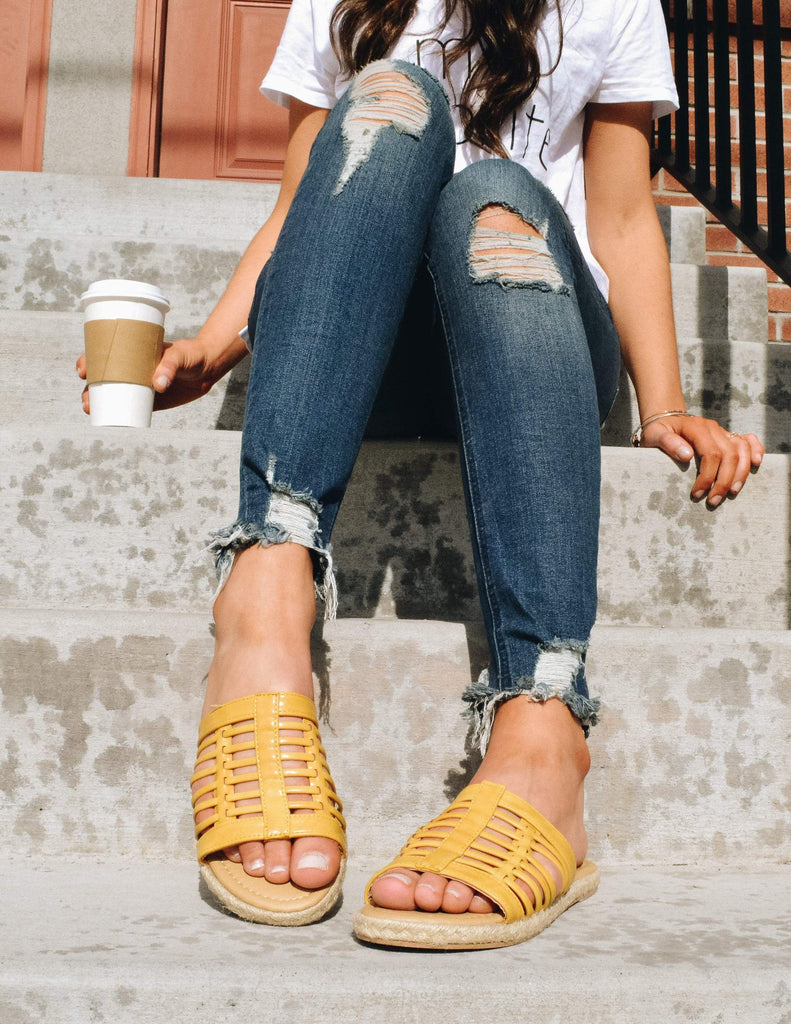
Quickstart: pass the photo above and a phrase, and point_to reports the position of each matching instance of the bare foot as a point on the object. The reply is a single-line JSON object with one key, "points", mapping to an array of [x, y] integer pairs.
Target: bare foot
{"points": [[537, 751], [263, 616]]}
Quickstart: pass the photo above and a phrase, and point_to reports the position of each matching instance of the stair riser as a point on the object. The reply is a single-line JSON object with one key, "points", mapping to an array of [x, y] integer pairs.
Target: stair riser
{"points": [[719, 302], [743, 384], [110, 518], [140, 209], [165, 208], [100, 716], [51, 272], [684, 228]]}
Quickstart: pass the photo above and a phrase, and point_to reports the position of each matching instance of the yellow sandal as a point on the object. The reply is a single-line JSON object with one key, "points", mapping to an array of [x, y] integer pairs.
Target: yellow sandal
{"points": [[488, 838], [246, 734]]}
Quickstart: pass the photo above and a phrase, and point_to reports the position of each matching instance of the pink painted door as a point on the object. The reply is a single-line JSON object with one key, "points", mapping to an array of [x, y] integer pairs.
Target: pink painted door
{"points": [[215, 123], [24, 53]]}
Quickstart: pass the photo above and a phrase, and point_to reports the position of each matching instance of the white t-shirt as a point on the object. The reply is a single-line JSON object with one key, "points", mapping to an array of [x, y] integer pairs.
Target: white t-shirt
{"points": [[614, 51]]}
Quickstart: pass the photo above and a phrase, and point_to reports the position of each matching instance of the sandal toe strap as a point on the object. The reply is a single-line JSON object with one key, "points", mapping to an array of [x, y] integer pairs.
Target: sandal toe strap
{"points": [[496, 843], [240, 778]]}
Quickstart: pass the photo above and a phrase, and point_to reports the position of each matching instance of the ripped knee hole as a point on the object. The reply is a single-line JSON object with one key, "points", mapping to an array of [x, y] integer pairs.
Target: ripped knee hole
{"points": [[508, 249], [381, 96]]}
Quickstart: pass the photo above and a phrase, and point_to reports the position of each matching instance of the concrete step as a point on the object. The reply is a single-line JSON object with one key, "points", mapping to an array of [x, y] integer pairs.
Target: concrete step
{"points": [[100, 712], [116, 519], [61, 232], [134, 944], [169, 208], [144, 209], [49, 272], [684, 228], [720, 302], [741, 383]]}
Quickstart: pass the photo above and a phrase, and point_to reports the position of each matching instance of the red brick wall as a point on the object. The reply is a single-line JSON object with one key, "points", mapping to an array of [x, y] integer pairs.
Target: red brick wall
{"points": [[722, 247]]}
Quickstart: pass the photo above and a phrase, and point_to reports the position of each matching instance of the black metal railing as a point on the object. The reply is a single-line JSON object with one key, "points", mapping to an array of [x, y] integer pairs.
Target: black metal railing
{"points": [[704, 26]]}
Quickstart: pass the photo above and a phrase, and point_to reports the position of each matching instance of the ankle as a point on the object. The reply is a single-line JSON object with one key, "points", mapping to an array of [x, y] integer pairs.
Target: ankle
{"points": [[269, 593], [538, 736], [263, 620]]}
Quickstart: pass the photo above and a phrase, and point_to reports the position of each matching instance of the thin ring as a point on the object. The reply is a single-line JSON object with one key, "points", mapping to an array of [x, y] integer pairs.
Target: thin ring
{"points": [[734, 435]]}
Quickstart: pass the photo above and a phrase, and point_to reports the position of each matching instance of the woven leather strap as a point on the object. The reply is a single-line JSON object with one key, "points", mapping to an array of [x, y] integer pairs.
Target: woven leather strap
{"points": [[241, 742], [491, 839]]}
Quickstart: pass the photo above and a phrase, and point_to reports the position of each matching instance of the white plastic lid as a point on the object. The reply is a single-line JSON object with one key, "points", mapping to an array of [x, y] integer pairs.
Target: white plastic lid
{"points": [[117, 288]]}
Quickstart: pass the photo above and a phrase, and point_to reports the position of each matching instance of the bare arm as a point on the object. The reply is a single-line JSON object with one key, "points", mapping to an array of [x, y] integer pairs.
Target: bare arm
{"points": [[627, 240], [191, 366], [221, 330]]}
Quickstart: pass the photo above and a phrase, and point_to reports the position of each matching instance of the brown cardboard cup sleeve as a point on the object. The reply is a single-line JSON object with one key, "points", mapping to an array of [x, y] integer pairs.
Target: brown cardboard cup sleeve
{"points": [[126, 351]]}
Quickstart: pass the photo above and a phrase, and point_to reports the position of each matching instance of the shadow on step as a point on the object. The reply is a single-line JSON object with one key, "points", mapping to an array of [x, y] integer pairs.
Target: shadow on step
{"points": [[478, 658]]}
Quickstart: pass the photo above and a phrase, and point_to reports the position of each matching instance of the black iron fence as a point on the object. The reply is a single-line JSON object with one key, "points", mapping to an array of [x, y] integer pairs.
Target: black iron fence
{"points": [[701, 31]]}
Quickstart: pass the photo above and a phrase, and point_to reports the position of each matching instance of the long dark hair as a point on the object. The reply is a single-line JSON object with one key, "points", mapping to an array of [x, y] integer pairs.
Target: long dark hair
{"points": [[503, 76]]}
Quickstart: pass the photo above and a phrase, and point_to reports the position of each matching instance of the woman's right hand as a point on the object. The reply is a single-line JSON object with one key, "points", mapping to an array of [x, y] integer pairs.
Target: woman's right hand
{"points": [[186, 371]]}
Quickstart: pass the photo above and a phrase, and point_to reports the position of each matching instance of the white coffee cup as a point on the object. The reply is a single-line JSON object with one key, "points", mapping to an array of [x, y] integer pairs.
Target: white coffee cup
{"points": [[124, 336]]}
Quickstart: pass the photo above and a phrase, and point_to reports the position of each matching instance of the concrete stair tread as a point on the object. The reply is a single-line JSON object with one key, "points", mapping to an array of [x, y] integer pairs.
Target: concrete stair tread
{"points": [[140, 942], [401, 543], [100, 705]]}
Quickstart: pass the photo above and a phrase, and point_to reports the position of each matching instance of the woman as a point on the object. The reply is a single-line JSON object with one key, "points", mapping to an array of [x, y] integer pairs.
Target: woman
{"points": [[504, 148]]}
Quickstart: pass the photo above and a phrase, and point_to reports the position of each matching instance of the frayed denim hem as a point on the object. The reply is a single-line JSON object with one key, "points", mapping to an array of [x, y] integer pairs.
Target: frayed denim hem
{"points": [[225, 544], [482, 701]]}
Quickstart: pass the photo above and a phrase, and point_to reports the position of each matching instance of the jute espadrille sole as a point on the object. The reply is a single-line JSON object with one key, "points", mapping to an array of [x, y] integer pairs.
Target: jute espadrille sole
{"points": [[422, 930], [286, 905], [498, 844], [245, 739]]}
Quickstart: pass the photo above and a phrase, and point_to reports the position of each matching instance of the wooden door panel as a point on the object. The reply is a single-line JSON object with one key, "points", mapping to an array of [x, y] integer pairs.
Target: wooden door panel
{"points": [[215, 123], [24, 54]]}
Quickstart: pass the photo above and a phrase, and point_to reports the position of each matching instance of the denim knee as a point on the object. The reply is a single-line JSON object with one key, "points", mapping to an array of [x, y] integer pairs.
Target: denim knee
{"points": [[534, 250], [498, 182], [379, 97]]}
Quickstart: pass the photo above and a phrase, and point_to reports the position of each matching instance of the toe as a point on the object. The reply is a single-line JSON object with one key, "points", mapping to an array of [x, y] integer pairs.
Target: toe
{"points": [[277, 856], [252, 855], [480, 905], [430, 890], [314, 862], [457, 897], [395, 890], [232, 853]]}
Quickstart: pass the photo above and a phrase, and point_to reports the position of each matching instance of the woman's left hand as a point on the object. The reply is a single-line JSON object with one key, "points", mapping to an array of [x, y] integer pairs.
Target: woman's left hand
{"points": [[725, 459]]}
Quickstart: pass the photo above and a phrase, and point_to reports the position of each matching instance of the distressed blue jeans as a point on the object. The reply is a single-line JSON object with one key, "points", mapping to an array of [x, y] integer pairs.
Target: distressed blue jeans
{"points": [[533, 352]]}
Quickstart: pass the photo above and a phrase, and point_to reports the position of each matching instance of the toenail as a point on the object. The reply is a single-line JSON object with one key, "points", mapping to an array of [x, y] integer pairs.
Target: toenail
{"points": [[314, 860], [277, 869], [255, 865], [405, 879]]}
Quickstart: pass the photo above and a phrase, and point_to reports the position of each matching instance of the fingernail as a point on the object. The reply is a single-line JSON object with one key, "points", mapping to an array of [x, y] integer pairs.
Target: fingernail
{"points": [[735, 488], [401, 878], [698, 494], [256, 865], [714, 502], [162, 382], [759, 459], [314, 860], [684, 452]]}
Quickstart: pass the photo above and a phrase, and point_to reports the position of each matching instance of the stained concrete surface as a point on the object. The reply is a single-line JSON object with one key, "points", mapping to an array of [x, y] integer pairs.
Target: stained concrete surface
{"points": [[143, 944]]}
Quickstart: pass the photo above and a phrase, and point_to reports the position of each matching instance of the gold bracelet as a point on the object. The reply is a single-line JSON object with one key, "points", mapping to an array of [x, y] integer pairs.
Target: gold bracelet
{"points": [[637, 436]]}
